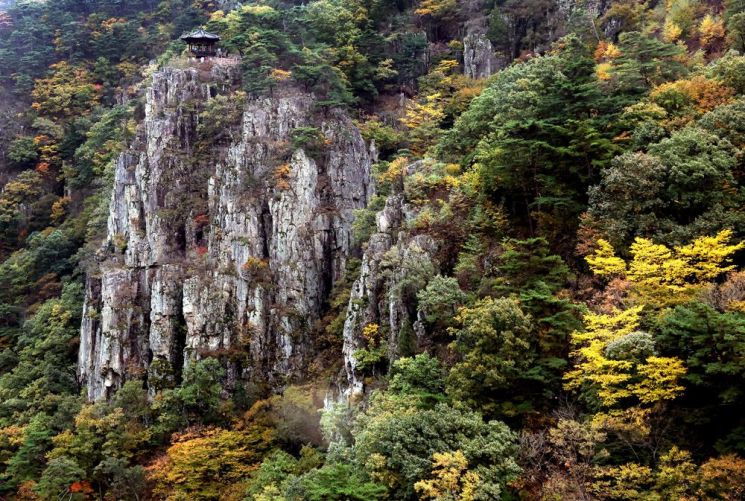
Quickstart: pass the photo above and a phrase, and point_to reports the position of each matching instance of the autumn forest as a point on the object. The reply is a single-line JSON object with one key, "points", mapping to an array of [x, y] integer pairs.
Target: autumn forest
{"points": [[372, 249]]}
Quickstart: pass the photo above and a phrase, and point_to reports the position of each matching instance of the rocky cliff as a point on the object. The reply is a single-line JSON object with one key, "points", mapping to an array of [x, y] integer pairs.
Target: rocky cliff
{"points": [[225, 247], [395, 266], [479, 58]]}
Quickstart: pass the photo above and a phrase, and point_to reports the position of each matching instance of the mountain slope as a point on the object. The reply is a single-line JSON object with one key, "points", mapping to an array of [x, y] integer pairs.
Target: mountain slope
{"points": [[376, 250]]}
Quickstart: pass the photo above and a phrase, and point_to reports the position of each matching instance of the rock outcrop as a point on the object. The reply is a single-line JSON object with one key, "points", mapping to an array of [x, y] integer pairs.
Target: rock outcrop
{"points": [[226, 248], [479, 58], [395, 265]]}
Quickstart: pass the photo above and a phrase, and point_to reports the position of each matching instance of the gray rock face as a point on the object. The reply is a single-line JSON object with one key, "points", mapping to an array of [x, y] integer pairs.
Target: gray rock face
{"points": [[366, 301], [229, 249], [393, 265], [478, 56], [479, 60]]}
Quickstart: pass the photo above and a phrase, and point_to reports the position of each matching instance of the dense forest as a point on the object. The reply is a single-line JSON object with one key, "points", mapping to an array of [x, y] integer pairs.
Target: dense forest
{"points": [[541, 297]]}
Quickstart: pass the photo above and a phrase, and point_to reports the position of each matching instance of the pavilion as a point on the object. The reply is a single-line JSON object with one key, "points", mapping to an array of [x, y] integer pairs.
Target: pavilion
{"points": [[201, 43]]}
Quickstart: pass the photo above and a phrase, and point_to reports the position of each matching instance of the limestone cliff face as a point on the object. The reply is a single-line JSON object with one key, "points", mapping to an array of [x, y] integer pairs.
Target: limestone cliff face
{"points": [[395, 264], [227, 248], [479, 58]]}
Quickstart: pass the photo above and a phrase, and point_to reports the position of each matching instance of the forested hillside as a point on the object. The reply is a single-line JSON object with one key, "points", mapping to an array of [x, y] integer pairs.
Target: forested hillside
{"points": [[373, 249]]}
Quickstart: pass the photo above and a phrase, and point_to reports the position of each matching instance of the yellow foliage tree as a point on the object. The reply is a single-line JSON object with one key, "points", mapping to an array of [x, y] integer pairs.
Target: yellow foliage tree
{"points": [[661, 276], [436, 8], [455, 90], [609, 375], [606, 51], [648, 379], [59, 209], [67, 91], [699, 94], [202, 463], [11, 438], [450, 480], [603, 71], [710, 31], [675, 474], [445, 93], [659, 379], [672, 478], [627, 481], [600, 49], [604, 262], [395, 172], [280, 75], [612, 51], [423, 119], [371, 333], [671, 31]]}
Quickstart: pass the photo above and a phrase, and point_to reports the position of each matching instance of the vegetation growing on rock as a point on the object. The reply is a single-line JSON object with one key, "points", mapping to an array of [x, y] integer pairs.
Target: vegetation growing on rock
{"points": [[335, 265]]}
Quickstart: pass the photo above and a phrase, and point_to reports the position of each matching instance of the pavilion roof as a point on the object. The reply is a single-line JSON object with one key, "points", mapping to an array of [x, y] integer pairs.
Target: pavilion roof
{"points": [[200, 35]]}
